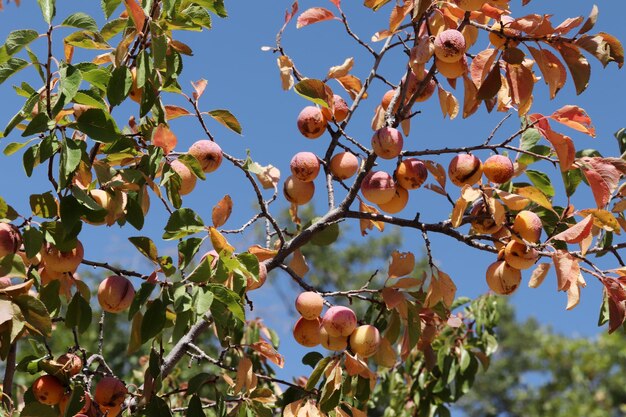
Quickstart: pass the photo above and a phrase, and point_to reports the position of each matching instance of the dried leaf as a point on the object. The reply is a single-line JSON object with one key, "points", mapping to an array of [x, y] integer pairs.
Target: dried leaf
{"points": [[173, 112], [553, 71], [603, 219], [539, 274], [352, 85], [578, 232], [573, 296], [261, 253], [603, 177], [367, 224], [268, 352], [285, 65], [314, 15], [591, 21], [470, 101], [341, 70], [356, 366], [402, 263], [291, 409], [136, 13], [392, 297], [441, 288], [398, 14], [481, 65], [164, 138], [298, 263], [568, 24], [222, 210], [269, 177], [448, 103], [567, 269], [521, 82], [246, 378], [578, 65], [574, 117], [513, 201], [198, 87], [438, 171], [533, 24]]}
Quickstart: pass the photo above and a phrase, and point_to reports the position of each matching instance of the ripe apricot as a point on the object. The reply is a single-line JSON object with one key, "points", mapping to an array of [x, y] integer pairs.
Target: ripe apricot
{"points": [[48, 390], [502, 278], [465, 169], [411, 173], [83, 411], [415, 84], [58, 261], [72, 364], [519, 256], [449, 45], [115, 294], [305, 166], [309, 304], [387, 142], [298, 192], [528, 226], [339, 321], [365, 340], [110, 392], [344, 165], [10, 239], [340, 109], [188, 178], [498, 169], [386, 101], [251, 284], [452, 70], [307, 332], [208, 153], [311, 122], [378, 187], [397, 203], [334, 343]]}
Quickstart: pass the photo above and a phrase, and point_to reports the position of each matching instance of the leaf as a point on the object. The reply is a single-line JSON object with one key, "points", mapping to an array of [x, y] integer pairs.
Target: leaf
{"points": [[539, 274], [228, 298], [553, 71], [199, 87], [366, 224], [606, 48], [79, 314], [145, 246], [591, 21], [14, 43], [603, 178], [81, 21], [262, 254], [573, 293], [227, 119], [567, 269], [521, 83], [402, 263], [603, 219], [481, 65], [535, 195], [48, 10], [341, 70], [314, 15], [578, 65], [183, 222], [398, 14], [298, 263], [136, 13], [574, 117], [285, 65], [98, 125], [222, 210], [316, 91], [448, 103], [578, 232], [563, 145], [11, 67], [442, 289], [470, 101], [352, 85], [268, 176], [119, 86], [173, 112], [268, 351], [164, 138], [541, 181], [156, 313], [219, 242]]}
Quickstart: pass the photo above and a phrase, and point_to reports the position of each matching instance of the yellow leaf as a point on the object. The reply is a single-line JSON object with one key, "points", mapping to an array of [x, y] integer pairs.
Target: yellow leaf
{"points": [[291, 409], [219, 241], [268, 351], [261, 253], [513, 201], [285, 66], [603, 219], [341, 70], [369, 224], [538, 275], [536, 196]]}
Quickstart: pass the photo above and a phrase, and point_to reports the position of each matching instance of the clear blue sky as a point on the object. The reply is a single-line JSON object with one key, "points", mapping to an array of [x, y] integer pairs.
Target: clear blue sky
{"points": [[245, 80]]}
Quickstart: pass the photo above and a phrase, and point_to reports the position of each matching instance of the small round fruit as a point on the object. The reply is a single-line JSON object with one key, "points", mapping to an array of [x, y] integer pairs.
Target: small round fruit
{"points": [[327, 236], [449, 45], [251, 284], [307, 332], [339, 321], [528, 226], [498, 169], [309, 304], [340, 108], [110, 392], [58, 261], [486, 224], [48, 390], [365, 340], [415, 84], [188, 179], [502, 278], [305, 166], [465, 169], [72, 364], [386, 101], [387, 142], [520, 256], [115, 294], [334, 343], [378, 187], [452, 70], [298, 192], [10, 239], [208, 153], [311, 122], [411, 173], [344, 165], [397, 203]]}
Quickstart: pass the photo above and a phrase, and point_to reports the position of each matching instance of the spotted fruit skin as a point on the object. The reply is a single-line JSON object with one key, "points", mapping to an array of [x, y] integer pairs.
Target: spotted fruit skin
{"points": [[465, 169], [365, 340], [387, 142], [502, 278], [48, 390], [311, 122], [305, 166], [378, 187], [208, 153], [339, 321], [528, 226], [110, 393], [397, 203], [519, 256], [298, 192], [307, 332], [449, 45], [411, 173], [498, 169]]}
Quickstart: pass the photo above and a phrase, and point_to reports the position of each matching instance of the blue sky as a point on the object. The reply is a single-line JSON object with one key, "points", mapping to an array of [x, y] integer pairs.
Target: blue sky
{"points": [[244, 79]]}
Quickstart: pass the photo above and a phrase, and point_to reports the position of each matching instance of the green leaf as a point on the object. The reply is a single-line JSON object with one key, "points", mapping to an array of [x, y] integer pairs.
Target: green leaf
{"points": [[48, 9], [183, 222], [12, 265], [90, 98], [230, 299], [81, 20], [35, 313], [43, 205], [98, 125], [49, 295], [98, 77], [154, 326], [315, 90], [35, 61], [112, 28], [187, 250], [227, 119], [204, 300], [16, 40], [79, 313], [202, 273], [109, 6], [14, 147], [529, 139], [145, 246], [317, 373], [572, 179], [193, 164], [11, 67], [119, 85], [70, 81], [541, 181], [87, 40], [76, 402], [70, 159], [140, 299], [39, 124], [33, 240], [198, 15], [194, 408], [36, 409], [312, 358]]}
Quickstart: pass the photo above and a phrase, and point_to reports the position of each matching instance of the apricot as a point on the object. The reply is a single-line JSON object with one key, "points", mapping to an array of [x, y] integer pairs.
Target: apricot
{"points": [[501, 38], [307, 332], [486, 224], [397, 203], [48, 390], [449, 45], [110, 392], [10, 239], [340, 109], [251, 284], [344, 165], [465, 169], [115, 294], [423, 51], [415, 83], [334, 343], [188, 178], [208, 153], [58, 261], [411, 174], [298, 192], [305, 166], [113, 204], [452, 70], [386, 101], [5, 282], [378, 187], [339, 321], [498, 169], [387, 142], [469, 5], [528, 226], [72, 364], [311, 122], [502, 278], [365, 340], [519, 256], [309, 304]]}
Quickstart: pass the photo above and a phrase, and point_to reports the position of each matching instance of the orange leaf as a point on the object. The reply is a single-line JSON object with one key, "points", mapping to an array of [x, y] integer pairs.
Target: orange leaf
{"points": [[578, 232], [402, 263], [438, 171], [538, 275], [603, 176], [341, 70], [268, 351], [470, 101], [576, 118], [398, 14], [367, 224], [222, 210], [448, 103], [578, 65], [314, 15], [285, 65], [533, 24], [521, 83], [261, 253], [136, 13], [535, 195], [553, 71], [298, 263], [164, 138], [441, 289], [392, 297], [173, 112], [352, 85], [568, 24], [219, 241], [567, 269], [269, 177], [481, 65], [563, 145]]}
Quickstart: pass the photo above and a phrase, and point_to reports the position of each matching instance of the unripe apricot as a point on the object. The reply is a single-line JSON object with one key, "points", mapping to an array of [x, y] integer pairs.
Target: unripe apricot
{"points": [[502, 42], [334, 343], [72, 364], [58, 261], [449, 45], [397, 203], [48, 390], [469, 5], [103, 199], [486, 224], [307, 332], [340, 109], [528, 226], [208, 153], [309, 304], [365, 340], [251, 284], [305, 166], [10, 239], [311, 122], [498, 169], [502, 278], [344, 165], [339, 321], [452, 70], [298, 192], [411, 174], [519, 256], [188, 179], [465, 169], [110, 392], [378, 187], [423, 51], [387, 142], [115, 294]]}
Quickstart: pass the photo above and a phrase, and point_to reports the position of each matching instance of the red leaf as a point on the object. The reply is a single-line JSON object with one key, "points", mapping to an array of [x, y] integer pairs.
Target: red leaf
{"points": [[578, 65], [576, 118], [568, 24], [481, 65], [533, 24], [567, 269], [578, 232], [553, 71], [164, 138], [521, 83], [290, 14], [617, 314], [563, 145], [337, 3], [603, 178], [314, 15]]}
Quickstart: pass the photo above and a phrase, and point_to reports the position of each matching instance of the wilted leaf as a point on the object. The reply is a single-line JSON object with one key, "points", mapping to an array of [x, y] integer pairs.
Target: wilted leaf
{"points": [[285, 66], [164, 138], [553, 71], [222, 210], [246, 378], [392, 297], [341, 70], [352, 85], [470, 100], [298, 263], [567, 269], [199, 87], [398, 14], [591, 21], [367, 224], [574, 117], [402, 263], [448, 103], [269, 176], [314, 15], [268, 351], [578, 232], [521, 83], [539, 274], [441, 288], [481, 65]]}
